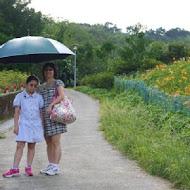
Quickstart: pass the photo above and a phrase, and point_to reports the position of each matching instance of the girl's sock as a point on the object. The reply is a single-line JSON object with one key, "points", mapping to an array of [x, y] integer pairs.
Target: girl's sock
{"points": [[15, 167], [28, 165]]}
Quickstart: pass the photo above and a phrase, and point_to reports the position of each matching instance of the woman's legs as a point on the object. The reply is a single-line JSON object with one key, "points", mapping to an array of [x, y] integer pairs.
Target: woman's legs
{"points": [[30, 153], [54, 148], [57, 148], [50, 150], [18, 153]]}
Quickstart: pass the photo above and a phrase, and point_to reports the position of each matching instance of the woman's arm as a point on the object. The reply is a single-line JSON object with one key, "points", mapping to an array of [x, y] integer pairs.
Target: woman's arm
{"points": [[60, 97], [16, 119]]}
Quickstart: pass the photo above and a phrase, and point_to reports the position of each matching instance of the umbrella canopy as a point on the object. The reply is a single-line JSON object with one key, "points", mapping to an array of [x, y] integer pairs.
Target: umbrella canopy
{"points": [[32, 49]]}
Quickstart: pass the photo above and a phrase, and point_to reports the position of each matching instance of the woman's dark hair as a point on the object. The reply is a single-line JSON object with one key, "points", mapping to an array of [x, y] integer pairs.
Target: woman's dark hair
{"points": [[30, 78], [53, 66]]}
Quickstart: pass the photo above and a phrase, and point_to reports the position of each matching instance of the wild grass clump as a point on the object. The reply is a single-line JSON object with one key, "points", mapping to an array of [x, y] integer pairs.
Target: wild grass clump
{"points": [[158, 140]]}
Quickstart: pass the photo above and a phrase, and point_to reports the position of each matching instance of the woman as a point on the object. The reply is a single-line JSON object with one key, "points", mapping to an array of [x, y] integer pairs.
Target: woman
{"points": [[53, 130]]}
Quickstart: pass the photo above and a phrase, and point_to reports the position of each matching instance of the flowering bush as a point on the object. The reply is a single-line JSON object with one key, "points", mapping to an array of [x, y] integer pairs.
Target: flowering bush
{"points": [[11, 79], [172, 79]]}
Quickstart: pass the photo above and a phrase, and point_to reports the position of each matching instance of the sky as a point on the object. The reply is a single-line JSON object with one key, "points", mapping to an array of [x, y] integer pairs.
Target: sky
{"points": [[152, 14]]}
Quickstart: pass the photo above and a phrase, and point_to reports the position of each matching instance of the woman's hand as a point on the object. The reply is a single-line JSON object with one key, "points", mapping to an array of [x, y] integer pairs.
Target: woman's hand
{"points": [[49, 109]]}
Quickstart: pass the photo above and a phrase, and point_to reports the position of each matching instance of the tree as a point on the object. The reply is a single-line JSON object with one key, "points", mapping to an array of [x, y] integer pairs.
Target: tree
{"points": [[177, 50], [20, 18], [157, 50], [85, 60], [177, 33], [135, 52], [103, 53], [157, 34]]}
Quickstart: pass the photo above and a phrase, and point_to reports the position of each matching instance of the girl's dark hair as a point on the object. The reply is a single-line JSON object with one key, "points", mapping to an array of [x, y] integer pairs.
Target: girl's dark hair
{"points": [[30, 78], [53, 66]]}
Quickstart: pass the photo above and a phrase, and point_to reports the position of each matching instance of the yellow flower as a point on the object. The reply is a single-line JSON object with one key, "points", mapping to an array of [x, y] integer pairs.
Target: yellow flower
{"points": [[183, 77], [177, 92], [187, 89], [171, 72], [157, 67], [184, 72], [167, 78], [186, 103], [163, 65]]}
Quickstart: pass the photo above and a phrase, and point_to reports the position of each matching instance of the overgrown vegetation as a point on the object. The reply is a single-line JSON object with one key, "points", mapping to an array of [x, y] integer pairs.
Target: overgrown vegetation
{"points": [[11, 80], [172, 79], [157, 139]]}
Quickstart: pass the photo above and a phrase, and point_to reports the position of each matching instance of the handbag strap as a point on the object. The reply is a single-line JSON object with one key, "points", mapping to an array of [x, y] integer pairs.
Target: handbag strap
{"points": [[56, 91]]}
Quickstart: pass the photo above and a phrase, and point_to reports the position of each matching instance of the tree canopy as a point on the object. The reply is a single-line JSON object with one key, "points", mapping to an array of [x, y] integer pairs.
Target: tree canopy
{"points": [[101, 47]]}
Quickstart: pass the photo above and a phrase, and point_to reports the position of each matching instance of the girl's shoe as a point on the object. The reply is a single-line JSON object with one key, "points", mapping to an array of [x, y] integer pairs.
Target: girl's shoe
{"points": [[43, 171], [28, 171], [12, 173]]}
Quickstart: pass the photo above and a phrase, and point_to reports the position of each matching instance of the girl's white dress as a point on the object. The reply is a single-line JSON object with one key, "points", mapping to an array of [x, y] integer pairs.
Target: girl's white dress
{"points": [[30, 123]]}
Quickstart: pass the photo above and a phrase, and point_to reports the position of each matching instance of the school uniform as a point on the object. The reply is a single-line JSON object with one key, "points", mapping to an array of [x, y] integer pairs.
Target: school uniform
{"points": [[30, 122]]}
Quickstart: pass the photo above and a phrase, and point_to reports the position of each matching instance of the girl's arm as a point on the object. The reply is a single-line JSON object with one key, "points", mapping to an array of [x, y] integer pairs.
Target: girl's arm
{"points": [[42, 117], [60, 97], [16, 119]]}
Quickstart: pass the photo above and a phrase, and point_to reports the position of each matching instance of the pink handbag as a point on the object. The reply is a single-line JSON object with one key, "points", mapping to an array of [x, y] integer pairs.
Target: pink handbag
{"points": [[63, 112]]}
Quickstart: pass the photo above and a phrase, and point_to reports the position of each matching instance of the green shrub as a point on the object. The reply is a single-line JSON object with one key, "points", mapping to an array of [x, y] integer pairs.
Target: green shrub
{"points": [[150, 63], [99, 80]]}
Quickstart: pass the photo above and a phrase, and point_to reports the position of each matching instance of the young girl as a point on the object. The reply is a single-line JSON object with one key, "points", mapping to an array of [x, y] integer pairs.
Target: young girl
{"points": [[28, 125]]}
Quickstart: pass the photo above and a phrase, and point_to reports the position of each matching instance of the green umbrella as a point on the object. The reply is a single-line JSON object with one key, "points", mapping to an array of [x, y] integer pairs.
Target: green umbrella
{"points": [[32, 49]]}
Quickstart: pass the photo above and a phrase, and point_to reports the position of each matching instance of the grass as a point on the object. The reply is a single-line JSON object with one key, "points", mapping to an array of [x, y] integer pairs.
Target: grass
{"points": [[158, 140], [5, 119], [2, 135]]}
